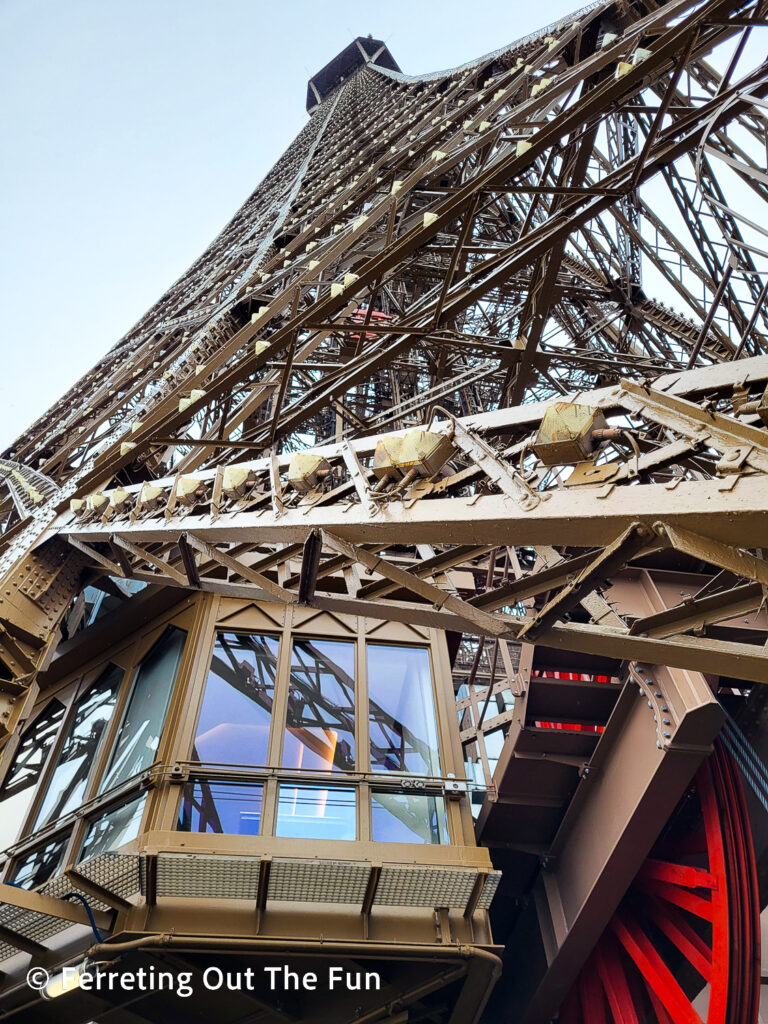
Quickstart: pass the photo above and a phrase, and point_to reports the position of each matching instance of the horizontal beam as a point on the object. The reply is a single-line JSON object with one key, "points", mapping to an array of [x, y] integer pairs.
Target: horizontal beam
{"points": [[39, 903], [580, 517], [701, 654], [699, 612]]}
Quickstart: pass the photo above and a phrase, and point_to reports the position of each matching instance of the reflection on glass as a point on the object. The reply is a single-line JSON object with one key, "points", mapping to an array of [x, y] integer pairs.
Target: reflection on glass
{"points": [[409, 818], [99, 603], [139, 734], [234, 808], [402, 710], [40, 865], [312, 812], [320, 727], [237, 705], [116, 828], [25, 771], [76, 757]]}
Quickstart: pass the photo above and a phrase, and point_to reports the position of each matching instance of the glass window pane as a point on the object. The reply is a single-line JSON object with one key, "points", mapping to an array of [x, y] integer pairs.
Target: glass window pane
{"points": [[237, 705], [93, 711], [320, 726], [409, 818], [234, 808], [98, 603], [313, 812], [139, 734], [40, 865], [116, 828], [25, 771], [402, 711]]}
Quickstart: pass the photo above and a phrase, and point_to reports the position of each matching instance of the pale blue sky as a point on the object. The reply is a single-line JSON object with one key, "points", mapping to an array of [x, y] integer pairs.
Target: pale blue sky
{"points": [[133, 129]]}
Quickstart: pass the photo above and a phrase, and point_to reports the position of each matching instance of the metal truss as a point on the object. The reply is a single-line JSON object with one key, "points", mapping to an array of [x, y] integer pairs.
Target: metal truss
{"points": [[570, 226], [684, 468], [465, 248]]}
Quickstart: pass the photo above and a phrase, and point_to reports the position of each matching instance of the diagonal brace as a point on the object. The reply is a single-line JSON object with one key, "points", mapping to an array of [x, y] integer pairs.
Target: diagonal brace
{"points": [[489, 624], [636, 538]]}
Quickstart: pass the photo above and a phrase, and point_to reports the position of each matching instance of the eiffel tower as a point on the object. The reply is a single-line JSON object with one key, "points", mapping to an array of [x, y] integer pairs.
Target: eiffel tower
{"points": [[383, 615]]}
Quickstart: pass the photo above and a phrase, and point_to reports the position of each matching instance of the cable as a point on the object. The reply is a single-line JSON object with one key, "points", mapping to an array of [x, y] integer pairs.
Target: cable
{"points": [[748, 759], [84, 901]]}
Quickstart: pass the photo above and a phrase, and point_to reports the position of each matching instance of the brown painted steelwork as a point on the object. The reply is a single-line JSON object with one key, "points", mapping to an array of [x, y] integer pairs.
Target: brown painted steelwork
{"points": [[445, 256]]}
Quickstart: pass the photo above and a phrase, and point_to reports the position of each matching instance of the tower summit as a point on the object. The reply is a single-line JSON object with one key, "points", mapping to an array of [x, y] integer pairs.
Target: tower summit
{"points": [[358, 54]]}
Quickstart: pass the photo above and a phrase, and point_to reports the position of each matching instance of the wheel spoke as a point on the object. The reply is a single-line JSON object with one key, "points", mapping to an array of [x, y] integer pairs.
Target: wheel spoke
{"points": [[674, 925], [592, 999], [611, 971], [677, 874], [654, 970], [658, 1007], [697, 896]]}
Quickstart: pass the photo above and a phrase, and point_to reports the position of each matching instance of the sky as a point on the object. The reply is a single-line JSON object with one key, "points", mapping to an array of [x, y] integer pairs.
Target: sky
{"points": [[132, 130]]}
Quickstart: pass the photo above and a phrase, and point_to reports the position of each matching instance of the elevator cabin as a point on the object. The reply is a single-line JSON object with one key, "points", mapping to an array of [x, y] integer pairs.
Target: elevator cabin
{"points": [[230, 785]]}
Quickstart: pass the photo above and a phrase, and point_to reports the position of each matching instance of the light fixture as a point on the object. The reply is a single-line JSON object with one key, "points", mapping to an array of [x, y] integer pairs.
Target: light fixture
{"points": [[64, 981]]}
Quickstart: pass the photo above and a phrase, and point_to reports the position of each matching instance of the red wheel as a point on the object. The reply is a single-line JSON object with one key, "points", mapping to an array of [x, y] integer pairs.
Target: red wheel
{"points": [[684, 945]]}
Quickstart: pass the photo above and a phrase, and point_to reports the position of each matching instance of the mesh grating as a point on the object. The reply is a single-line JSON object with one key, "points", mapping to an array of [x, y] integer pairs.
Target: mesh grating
{"points": [[407, 886], [318, 881], [189, 875], [489, 890], [58, 888], [31, 925], [118, 873]]}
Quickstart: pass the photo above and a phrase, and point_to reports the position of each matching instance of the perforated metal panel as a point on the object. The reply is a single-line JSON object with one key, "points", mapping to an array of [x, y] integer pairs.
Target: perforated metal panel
{"points": [[489, 890], [318, 881], [197, 875], [412, 886], [59, 886], [31, 925], [118, 873]]}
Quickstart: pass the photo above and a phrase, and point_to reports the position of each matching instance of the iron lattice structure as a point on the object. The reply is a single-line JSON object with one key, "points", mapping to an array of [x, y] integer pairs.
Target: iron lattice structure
{"points": [[575, 218]]}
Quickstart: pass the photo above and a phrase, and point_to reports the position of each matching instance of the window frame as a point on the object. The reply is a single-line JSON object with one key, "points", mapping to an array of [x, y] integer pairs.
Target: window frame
{"points": [[443, 747], [81, 688], [198, 689], [274, 774], [123, 704], [205, 620], [127, 655], [353, 642], [47, 766]]}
